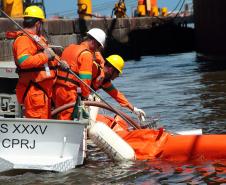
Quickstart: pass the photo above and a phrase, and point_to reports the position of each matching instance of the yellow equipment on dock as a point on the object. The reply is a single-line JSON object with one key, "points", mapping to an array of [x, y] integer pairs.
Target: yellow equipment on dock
{"points": [[13, 8], [120, 9], [85, 9], [141, 8], [164, 11], [149, 8]]}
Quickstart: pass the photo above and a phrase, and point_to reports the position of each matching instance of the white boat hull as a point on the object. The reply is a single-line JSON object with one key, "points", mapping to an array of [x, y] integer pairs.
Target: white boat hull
{"points": [[41, 144]]}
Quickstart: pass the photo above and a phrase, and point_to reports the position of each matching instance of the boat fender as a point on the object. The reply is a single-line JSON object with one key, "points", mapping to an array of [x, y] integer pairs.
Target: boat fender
{"points": [[112, 144]]}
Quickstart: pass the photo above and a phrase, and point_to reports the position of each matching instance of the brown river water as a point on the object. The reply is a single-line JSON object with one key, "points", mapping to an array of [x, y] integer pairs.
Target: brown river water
{"points": [[184, 93]]}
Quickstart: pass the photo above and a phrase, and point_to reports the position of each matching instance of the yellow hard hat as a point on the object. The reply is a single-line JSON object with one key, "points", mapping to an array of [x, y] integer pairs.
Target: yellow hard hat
{"points": [[116, 61], [164, 11], [34, 12]]}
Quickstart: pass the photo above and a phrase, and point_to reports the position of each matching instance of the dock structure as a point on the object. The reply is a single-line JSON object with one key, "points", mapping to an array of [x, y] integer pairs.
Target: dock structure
{"points": [[129, 37], [210, 29]]}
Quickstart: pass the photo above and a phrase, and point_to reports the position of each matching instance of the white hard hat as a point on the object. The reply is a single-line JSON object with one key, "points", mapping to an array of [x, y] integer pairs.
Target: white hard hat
{"points": [[98, 34]]}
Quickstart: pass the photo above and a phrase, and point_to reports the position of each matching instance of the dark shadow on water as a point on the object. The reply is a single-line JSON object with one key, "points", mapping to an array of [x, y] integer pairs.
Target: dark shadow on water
{"points": [[15, 172], [207, 64], [212, 94], [210, 65]]}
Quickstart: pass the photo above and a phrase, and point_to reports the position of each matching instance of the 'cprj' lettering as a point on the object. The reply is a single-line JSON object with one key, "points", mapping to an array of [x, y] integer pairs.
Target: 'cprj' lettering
{"points": [[21, 143]]}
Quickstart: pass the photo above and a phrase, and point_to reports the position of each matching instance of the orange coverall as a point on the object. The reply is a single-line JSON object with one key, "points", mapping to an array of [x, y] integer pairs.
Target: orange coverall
{"points": [[80, 60], [34, 87]]}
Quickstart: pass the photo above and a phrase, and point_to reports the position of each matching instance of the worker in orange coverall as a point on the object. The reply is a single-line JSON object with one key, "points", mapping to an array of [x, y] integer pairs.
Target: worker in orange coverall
{"points": [[35, 66], [80, 60], [106, 71]]}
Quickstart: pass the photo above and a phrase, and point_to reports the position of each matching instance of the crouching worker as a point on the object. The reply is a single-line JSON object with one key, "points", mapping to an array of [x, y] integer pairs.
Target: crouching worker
{"points": [[80, 60], [103, 74], [35, 66]]}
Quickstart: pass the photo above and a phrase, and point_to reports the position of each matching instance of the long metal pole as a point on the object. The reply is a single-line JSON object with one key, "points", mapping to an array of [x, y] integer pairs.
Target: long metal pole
{"points": [[72, 72]]}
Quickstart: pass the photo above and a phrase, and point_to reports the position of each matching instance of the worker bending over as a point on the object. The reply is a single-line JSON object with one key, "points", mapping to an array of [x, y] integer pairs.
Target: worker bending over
{"points": [[103, 74], [80, 60], [35, 66]]}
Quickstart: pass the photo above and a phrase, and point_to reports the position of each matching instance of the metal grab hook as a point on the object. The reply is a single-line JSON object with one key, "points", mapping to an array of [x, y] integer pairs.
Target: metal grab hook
{"points": [[149, 122]]}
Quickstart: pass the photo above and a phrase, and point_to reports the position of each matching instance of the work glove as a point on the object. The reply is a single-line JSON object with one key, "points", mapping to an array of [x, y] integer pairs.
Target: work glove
{"points": [[50, 53], [64, 65], [140, 113], [91, 97]]}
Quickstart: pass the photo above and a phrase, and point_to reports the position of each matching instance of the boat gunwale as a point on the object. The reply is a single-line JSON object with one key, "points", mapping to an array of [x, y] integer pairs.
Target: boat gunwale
{"points": [[51, 121]]}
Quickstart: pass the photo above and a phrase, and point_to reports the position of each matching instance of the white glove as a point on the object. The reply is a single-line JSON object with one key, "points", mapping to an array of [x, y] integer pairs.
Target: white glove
{"points": [[140, 113], [91, 97]]}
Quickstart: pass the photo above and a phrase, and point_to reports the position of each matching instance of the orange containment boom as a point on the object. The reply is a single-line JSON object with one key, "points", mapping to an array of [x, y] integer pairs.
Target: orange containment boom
{"points": [[194, 147], [151, 144]]}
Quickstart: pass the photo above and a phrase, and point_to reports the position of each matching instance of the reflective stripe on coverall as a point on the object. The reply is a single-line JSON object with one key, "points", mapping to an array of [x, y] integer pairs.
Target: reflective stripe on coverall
{"points": [[80, 60], [34, 87]]}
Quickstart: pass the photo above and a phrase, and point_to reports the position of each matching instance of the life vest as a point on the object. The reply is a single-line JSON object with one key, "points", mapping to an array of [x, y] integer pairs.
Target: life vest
{"points": [[70, 55], [34, 74]]}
